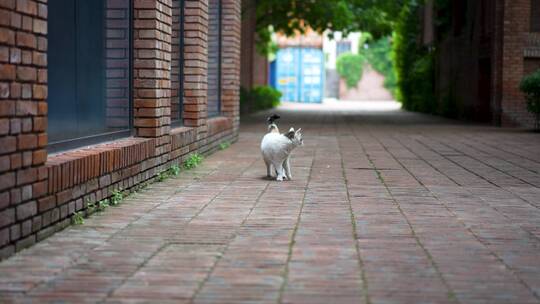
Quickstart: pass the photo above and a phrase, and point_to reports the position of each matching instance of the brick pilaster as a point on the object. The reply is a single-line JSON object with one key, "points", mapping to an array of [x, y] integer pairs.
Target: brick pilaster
{"points": [[196, 64], [516, 22], [230, 69], [23, 121], [152, 67]]}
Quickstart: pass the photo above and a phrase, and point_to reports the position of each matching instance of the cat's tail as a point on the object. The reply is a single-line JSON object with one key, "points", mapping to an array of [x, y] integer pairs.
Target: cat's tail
{"points": [[272, 118], [272, 127]]}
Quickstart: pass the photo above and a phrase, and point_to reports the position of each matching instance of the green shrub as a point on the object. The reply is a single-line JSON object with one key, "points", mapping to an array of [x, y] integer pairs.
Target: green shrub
{"points": [[350, 67], [530, 86], [259, 98], [414, 63]]}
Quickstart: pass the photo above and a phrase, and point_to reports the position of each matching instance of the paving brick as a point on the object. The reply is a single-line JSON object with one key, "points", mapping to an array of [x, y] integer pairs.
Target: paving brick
{"points": [[419, 210]]}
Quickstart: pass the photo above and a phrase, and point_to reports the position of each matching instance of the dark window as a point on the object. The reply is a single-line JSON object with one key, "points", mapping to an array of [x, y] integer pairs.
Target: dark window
{"points": [[214, 58], [343, 46], [177, 67], [89, 72], [535, 15], [459, 11]]}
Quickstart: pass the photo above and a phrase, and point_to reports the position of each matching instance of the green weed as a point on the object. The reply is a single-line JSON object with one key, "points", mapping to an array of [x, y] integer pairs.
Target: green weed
{"points": [[193, 161], [224, 145], [103, 204], [174, 170], [91, 207], [117, 197], [77, 218], [162, 176]]}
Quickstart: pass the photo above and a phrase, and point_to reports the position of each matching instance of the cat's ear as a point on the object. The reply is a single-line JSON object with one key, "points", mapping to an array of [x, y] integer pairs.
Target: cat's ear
{"points": [[290, 134], [299, 129]]}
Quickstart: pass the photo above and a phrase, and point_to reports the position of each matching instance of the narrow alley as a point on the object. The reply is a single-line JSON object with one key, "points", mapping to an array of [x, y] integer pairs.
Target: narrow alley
{"points": [[385, 206]]}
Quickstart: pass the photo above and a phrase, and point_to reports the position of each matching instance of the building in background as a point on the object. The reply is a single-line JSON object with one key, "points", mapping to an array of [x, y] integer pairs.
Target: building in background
{"points": [[254, 66], [370, 87], [484, 53], [333, 47]]}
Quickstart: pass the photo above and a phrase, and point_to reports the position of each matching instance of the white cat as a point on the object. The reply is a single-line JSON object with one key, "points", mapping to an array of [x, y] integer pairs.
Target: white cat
{"points": [[276, 149]]}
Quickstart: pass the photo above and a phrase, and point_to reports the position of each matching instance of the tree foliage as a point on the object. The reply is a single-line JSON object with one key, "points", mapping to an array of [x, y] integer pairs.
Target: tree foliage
{"points": [[293, 16], [413, 62], [350, 67]]}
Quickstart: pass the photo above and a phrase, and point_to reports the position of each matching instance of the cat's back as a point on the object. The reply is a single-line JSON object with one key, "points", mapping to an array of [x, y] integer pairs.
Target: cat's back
{"points": [[272, 142]]}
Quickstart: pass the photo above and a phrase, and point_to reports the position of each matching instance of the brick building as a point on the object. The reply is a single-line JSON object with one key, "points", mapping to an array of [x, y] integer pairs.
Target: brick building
{"points": [[484, 51], [103, 95], [254, 66]]}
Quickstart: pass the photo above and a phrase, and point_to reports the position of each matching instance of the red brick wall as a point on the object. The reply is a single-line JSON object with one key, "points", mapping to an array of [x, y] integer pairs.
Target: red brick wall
{"points": [[532, 65], [23, 121], [255, 67], [515, 33], [248, 43], [195, 64], [152, 67], [230, 69], [40, 192]]}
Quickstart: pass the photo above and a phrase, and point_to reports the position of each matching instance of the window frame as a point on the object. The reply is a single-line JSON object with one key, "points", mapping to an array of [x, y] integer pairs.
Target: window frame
{"points": [[179, 121], [534, 26], [219, 65]]}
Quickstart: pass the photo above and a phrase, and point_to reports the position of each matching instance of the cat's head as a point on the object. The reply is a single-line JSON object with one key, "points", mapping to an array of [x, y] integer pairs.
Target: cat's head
{"points": [[295, 136]]}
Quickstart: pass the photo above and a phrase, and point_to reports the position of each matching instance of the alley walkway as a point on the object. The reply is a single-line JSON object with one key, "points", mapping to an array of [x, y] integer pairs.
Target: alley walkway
{"points": [[385, 207]]}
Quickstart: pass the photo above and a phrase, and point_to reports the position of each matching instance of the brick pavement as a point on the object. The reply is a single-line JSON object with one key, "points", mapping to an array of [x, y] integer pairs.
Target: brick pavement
{"points": [[385, 207]]}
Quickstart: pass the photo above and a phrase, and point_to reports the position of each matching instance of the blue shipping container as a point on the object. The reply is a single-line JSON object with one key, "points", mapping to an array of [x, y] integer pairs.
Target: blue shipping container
{"points": [[300, 74]]}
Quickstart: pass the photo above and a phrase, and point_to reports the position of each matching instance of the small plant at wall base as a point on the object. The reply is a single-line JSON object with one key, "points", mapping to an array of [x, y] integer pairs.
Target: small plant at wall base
{"points": [[90, 207], [530, 85], [162, 176], [193, 161], [174, 170], [259, 98], [350, 67], [224, 145], [102, 205], [77, 218], [117, 197]]}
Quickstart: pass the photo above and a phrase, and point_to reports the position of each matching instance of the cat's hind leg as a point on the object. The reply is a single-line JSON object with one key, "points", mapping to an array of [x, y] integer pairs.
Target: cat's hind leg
{"points": [[268, 168], [287, 167]]}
